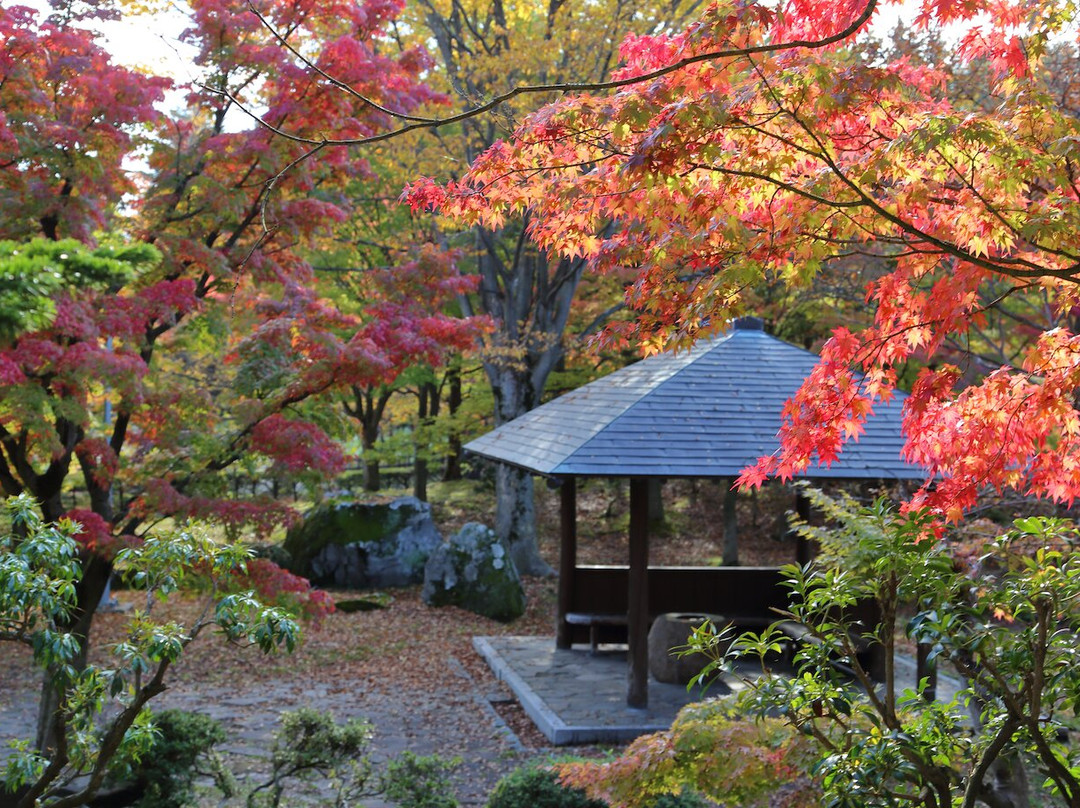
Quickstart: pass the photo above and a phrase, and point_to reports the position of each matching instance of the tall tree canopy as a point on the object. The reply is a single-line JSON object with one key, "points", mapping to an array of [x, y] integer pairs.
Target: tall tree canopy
{"points": [[485, 48], [760, 142]]}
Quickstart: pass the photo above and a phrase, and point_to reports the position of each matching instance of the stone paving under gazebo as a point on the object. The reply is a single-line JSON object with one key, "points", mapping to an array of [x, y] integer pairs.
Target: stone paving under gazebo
{"points": [[577, 697]]}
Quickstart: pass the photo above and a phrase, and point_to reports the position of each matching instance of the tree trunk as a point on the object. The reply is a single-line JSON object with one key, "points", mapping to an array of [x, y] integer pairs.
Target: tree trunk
{"points": [[452, 469], [96, 572], [369, 433], [515, 519], [515, 511], [420, 478], [427, 412], [367, 408], [529, 296]]}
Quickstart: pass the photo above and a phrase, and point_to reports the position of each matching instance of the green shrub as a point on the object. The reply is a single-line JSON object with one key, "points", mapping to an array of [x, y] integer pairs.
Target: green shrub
{"points": [[183, 749], [684, 799], [420, 781], [539, 787], [312, 751]]}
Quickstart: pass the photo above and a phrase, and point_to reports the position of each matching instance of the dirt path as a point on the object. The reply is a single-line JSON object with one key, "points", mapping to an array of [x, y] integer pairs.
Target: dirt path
{"points": [[454, 717]]}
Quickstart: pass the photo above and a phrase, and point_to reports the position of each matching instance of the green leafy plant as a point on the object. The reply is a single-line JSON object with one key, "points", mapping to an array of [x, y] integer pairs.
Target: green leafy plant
{"points": [[419, 781], [1007, 624], [182, 750], [309, 749], [313, 753], [538, 787], [39, 579]]}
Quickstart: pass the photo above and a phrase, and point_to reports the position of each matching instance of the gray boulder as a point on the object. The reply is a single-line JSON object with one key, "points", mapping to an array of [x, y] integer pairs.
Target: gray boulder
{"points": [[362, 545], [474, 571]]}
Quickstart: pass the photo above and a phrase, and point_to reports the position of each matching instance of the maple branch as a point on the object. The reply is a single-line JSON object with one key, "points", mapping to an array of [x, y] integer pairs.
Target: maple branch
{"points": [[986, 361], [995, 213], [1001, 359], [780, 185], [341, 85], [601, 319], [1012, 266], [414, 123]]}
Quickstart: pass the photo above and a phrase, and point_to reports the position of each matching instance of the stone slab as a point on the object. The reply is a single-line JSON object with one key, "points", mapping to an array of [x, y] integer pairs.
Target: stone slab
{"points": [[576, 697]]}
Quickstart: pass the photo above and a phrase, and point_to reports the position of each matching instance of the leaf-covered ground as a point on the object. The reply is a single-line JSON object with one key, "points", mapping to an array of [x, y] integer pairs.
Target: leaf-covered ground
{"points": [[409, 669]]}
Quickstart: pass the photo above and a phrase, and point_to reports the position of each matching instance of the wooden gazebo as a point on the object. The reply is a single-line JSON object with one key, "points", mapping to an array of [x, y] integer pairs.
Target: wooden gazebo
{"points": [[709, 412]]}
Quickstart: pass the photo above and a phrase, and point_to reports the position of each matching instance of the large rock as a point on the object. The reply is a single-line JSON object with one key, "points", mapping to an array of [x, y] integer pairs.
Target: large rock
{"points": [[474, 571], [362, 545]]}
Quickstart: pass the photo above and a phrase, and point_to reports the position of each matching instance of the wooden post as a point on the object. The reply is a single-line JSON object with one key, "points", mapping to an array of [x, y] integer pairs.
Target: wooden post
{"points": [[567, 558], [637, 616], [802, 546], [731, 523]]}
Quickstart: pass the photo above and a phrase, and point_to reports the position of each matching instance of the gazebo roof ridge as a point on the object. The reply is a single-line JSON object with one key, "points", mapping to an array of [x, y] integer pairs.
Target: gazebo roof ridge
{"points": [[708, 411]]}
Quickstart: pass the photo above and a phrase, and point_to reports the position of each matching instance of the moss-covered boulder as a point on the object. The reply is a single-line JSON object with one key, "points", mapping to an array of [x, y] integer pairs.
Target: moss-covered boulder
{"points": [[474, 571], [363, 545]]}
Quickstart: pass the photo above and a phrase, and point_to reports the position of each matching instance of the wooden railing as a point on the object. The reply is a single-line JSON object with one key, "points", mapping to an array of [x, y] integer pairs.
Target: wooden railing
{"points": [[749, 597]]}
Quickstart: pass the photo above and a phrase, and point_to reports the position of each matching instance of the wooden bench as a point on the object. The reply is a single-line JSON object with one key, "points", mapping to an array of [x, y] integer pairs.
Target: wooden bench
{"points": [[596, 606], [750, 597], [595, 620]]}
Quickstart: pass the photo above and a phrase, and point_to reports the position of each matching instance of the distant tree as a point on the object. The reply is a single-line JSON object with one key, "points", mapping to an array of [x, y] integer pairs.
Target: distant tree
{"points": [[418, 297], [483, 48]]}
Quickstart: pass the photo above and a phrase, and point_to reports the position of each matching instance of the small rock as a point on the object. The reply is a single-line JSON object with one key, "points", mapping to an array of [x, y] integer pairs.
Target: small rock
{"points": [[475, 572]]}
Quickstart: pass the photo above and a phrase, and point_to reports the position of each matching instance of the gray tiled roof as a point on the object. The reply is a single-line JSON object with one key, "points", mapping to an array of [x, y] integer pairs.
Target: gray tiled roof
{"points": [[706, 412]]}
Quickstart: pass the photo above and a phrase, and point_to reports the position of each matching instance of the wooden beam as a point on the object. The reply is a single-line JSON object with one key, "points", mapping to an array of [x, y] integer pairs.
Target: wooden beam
{"points": [[567, 558], [638, 595]]}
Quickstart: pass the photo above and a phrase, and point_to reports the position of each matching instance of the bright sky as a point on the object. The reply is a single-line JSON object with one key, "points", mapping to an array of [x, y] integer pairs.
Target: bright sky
{"points": [[153, 42], [149, 42]]}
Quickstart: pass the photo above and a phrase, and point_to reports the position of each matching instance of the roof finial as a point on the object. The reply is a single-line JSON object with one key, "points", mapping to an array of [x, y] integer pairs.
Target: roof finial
{"points": [[749, 324]]}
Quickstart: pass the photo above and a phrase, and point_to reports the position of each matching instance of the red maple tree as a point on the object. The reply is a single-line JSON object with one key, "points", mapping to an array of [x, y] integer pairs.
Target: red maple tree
{"points": [[192, 350], [758, 143]]}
